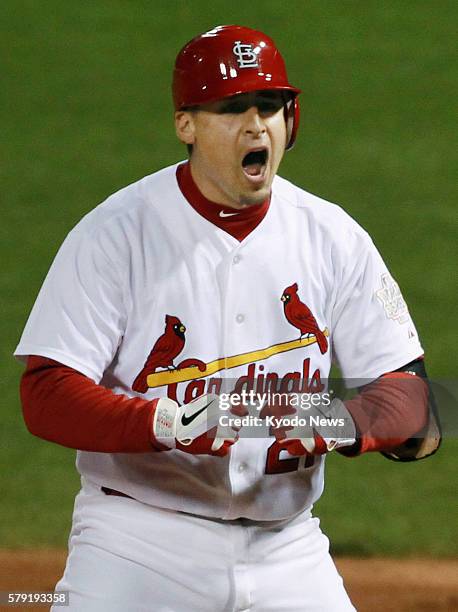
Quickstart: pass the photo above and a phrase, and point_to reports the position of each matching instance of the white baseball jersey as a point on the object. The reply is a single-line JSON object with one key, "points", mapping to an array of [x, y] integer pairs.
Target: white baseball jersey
{"points": [[146, 253]]}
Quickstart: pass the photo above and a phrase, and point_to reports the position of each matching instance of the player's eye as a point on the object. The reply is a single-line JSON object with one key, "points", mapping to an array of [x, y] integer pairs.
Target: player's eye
{"points": [[265, 104], [234, 106], [269, 106]]}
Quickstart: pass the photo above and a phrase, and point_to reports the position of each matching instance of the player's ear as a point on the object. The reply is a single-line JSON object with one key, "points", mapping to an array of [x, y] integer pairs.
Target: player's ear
{"points": [[185, 126]]}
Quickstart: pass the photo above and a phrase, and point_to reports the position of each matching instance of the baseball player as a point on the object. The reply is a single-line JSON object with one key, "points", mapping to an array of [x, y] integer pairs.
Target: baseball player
{"points": [[217, 275]]}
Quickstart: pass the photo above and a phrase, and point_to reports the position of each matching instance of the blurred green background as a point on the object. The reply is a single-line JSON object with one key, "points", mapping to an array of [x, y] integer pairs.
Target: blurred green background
{"points": [[86, 109]]}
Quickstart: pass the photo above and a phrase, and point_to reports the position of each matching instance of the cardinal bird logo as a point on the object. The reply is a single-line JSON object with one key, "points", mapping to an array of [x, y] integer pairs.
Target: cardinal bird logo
{"points": [[300, 316], [166, 349]]}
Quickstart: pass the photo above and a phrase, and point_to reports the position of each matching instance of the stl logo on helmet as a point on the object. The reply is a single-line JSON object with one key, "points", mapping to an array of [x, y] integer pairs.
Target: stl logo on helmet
{"points": [[246, 55]]}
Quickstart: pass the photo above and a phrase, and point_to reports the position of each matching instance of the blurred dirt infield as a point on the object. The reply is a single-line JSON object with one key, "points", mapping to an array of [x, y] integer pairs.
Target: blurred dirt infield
{"points": [[386, 585]]}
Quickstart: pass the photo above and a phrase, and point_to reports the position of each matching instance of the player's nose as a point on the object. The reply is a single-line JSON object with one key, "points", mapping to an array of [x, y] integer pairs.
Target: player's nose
{"points": [[253, 122]]}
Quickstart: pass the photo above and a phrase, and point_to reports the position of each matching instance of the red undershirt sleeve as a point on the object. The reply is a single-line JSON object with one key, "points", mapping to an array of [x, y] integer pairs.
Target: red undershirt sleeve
{"points": [[388, 412], [62, 405]]}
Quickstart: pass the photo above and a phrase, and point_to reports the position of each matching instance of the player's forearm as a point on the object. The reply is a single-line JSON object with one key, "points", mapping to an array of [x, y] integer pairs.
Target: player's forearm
{"points": [[64, 406], [388, 412]]}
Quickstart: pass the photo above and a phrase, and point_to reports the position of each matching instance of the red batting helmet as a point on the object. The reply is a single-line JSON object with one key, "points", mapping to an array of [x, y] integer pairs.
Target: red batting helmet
{"points": [[231, 60]]}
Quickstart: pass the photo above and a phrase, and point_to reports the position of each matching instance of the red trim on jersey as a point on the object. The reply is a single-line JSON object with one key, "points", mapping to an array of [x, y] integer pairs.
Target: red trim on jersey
{"points": [[388, 412], [238, 224], [64, 406]]}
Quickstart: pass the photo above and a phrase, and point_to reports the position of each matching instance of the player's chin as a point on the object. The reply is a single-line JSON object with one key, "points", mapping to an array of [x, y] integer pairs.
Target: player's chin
{"points": [[254, 194], [253, 199]]}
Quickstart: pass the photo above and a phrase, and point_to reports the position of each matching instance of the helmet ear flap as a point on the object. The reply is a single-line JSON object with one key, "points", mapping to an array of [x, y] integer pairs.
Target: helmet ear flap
{"points": [[292, 121]]}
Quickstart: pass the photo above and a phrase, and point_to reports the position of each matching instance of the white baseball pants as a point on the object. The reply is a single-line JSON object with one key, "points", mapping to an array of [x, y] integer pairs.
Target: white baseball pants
{"points": [[125, 556]]}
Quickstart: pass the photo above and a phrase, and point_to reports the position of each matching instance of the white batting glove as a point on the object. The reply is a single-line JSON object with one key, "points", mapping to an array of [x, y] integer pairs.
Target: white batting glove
{"points": [[193, 428], [326, 428]]}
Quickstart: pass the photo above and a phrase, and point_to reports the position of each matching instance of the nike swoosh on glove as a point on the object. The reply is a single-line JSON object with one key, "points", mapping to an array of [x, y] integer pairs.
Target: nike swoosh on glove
{"points": [[192, 428], [326, 428]]}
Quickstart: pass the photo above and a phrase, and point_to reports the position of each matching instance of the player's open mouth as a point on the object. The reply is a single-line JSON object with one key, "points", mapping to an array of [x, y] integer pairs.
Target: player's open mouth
{"points": [[254, 164]]}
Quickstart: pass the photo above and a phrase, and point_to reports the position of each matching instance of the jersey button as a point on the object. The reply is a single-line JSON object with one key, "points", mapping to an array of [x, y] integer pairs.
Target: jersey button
{"points": [[242, 467], [240, 318], [236, 259]]}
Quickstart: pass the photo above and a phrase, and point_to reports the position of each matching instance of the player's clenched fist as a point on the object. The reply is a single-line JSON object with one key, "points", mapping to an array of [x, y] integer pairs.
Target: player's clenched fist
{"points": [[193, 428], [317, 430]]}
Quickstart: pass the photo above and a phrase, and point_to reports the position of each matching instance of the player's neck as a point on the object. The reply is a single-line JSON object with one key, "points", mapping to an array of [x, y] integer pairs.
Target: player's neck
{"points": [[212, 188], [237, 223]]}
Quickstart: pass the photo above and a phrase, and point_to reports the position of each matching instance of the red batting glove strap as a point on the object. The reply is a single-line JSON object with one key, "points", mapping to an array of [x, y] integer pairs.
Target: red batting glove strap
{"points": [[294, 447]]}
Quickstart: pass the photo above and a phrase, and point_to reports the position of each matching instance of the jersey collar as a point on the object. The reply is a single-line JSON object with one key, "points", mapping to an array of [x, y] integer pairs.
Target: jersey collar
{"points": [[237, 223]]}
